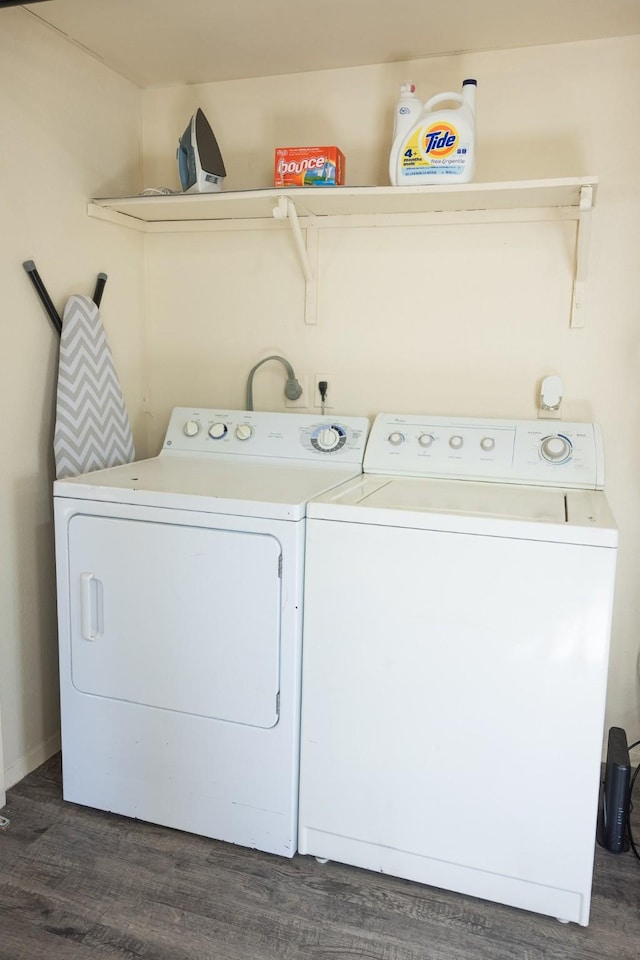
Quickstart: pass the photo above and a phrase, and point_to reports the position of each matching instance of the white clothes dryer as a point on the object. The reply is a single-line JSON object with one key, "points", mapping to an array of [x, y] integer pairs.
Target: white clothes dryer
{"points": [[180, 584], [456, 637]]}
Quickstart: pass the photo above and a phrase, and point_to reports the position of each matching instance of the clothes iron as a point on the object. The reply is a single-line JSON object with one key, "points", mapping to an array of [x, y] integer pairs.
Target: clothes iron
{"points": [[200, 162]]}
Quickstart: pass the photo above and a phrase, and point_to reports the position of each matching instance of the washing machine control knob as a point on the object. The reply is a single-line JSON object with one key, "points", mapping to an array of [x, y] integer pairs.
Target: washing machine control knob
{"points": [[191, 428], [556, 448], [244, 431], [456, 442], [396, 438], [217, 431], [487, 444], [426, 439]]}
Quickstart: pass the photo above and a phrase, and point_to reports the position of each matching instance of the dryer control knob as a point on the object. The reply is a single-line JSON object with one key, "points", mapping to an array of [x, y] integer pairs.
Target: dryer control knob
{"points": [[456, 442], [217, 431], [328, 438], [244, 431], [191, 428], [555, 449], [426, 439], [487, 443], [396, 438]]}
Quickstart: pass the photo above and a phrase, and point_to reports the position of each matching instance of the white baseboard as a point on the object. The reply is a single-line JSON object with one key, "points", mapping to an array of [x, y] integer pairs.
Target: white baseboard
{"points": [[24, 765]]}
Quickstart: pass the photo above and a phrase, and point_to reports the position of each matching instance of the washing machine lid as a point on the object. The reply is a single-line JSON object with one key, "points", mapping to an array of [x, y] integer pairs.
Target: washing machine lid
{"points": [[258, 488], [459, 506]]}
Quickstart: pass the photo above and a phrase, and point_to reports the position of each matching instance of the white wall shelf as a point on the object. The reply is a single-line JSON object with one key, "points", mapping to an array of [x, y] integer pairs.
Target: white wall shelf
{"points": [[311, 208]]}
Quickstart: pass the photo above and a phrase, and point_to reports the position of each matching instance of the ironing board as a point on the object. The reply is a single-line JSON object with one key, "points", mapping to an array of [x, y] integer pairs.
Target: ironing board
{"points": [[92, 426]]}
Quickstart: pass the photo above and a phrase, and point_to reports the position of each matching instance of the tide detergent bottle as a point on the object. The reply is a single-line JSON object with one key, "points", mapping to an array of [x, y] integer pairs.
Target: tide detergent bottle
{"points": [[439, 146]]}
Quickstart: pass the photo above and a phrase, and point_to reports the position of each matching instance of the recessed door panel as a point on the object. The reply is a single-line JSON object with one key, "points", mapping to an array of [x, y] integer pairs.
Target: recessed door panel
{"points": [[176, 617]]}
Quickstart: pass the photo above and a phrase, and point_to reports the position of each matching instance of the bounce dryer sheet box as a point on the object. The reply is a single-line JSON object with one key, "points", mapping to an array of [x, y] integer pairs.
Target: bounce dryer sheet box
{"points": [[309, 167]]}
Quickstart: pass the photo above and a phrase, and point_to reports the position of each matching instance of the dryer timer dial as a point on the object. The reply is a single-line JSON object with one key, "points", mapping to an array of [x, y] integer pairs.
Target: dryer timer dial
{"points": [[329, 438]]}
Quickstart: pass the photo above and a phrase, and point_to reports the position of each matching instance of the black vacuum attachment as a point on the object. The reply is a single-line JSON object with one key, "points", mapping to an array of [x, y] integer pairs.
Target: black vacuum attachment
{"points": [[614, 794]]}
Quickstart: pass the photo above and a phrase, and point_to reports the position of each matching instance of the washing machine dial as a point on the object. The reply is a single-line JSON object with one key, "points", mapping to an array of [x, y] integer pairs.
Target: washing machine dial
{"points": [[217, 431], [396, 438], [555, 449], [244, 431], [191, 428], [487, 444], [456, 442], [426, 439]]}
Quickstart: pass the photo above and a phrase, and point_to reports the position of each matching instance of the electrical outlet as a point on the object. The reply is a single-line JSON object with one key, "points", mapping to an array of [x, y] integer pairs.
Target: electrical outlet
{"points": [[317, 399], [302, 403]]}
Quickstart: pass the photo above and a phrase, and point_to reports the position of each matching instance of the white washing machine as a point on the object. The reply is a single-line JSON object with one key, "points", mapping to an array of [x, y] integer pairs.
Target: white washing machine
{"points": [[180, 585], [456, 638]]}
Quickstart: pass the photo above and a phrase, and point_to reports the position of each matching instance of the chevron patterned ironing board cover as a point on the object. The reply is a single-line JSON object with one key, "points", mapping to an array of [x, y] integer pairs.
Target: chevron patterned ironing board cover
{"points": [[92, 426]]}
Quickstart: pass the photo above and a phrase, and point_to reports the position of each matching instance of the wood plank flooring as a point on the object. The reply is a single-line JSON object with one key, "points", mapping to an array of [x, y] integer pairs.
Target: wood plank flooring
{"points": [[80, 884]]}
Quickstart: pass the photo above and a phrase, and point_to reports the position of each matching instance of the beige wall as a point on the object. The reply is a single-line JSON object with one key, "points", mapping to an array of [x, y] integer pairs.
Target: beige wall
{"points": [[459, 320], [70, 130]]}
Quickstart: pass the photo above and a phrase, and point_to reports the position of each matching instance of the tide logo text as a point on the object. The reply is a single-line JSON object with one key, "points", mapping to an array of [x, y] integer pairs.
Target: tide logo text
{"points": [[440, 140]]}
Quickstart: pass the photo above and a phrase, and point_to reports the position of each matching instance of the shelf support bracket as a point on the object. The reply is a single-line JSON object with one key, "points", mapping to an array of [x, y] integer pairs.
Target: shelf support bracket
{"points": [[583, 237], [286, 210]]}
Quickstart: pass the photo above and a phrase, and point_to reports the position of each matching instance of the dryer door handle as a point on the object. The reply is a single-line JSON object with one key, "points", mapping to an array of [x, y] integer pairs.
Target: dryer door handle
{"points": [[89, 627]]}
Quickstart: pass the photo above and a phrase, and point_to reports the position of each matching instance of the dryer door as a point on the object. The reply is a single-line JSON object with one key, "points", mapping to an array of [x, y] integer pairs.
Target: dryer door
{"points": [[176, 617]]}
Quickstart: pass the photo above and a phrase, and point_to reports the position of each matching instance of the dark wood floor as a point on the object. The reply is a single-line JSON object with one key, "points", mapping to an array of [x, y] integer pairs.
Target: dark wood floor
{"points": [[77, 883]]}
